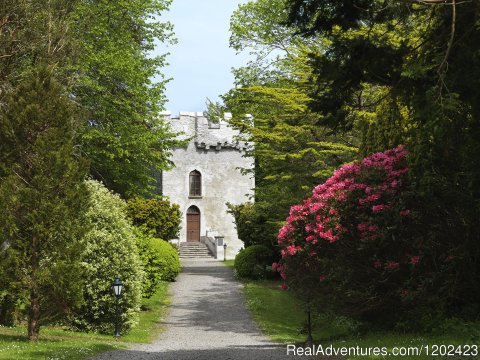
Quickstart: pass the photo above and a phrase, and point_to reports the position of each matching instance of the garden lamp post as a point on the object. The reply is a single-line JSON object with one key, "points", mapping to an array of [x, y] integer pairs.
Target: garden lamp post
{"points": [[224, 251], [117, 289]]}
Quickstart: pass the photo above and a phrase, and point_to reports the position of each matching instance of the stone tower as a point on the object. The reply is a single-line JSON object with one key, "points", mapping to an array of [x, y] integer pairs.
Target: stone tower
{"points": [[206, 176]]}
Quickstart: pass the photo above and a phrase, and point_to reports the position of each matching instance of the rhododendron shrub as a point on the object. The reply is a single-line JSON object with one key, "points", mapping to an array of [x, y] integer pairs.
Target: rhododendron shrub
{"points": [[347, 244]]}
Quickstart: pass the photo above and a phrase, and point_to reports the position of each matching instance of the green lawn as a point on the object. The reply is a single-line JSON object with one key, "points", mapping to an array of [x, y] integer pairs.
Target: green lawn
{"points": [[150, 324], [58, 343], [282, 319], [55, 343]]}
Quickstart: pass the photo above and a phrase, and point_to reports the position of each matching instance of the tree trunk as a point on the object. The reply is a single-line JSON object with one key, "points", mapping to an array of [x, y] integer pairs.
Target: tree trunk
{"points": [[34, 314]]}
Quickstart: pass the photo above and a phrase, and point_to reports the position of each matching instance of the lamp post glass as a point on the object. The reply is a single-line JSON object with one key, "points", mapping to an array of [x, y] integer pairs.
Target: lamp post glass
{"points": [[117, 286], [117, 289], [224, 251]]}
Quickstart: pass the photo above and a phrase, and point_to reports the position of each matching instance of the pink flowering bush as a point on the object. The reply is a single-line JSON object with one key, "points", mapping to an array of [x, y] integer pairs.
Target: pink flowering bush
{"points": [[347, 243]]}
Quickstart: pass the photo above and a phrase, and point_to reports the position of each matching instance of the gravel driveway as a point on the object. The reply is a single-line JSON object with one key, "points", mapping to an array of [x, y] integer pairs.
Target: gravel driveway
{"points": [[207, 320]]}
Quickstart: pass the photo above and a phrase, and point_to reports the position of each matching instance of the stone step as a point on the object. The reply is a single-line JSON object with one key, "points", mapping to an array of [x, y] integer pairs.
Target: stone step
{"points": [[194, 250], [195, 256]]}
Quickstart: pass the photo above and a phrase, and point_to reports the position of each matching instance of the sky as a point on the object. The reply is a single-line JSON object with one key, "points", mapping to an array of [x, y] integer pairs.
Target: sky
{"points": [[200, 64]]}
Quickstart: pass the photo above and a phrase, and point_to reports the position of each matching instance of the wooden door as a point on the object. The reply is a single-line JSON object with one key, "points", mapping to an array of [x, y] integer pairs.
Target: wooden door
{"points": [[193, 225]]}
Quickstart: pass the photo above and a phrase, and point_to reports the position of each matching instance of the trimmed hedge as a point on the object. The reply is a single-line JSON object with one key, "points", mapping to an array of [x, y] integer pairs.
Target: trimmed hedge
{"points": [[252, 262], [160, 262]]}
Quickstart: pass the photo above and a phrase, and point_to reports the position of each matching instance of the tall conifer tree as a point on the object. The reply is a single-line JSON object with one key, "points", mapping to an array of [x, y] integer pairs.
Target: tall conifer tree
{"points": [[41, 195]]}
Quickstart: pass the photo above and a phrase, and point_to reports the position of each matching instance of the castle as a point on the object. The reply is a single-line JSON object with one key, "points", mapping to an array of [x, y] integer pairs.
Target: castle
{"points": [[206, 176]]}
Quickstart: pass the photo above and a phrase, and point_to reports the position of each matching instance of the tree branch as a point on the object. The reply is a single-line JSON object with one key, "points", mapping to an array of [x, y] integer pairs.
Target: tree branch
{"points": [[450, 42]]}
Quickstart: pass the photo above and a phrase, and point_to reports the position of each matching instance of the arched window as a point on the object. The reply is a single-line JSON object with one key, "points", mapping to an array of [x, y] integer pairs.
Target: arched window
{"points": [[195, 183]]}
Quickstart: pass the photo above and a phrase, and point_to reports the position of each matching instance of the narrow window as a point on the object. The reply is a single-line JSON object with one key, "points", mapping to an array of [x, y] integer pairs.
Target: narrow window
{"points": [[195, 183]]}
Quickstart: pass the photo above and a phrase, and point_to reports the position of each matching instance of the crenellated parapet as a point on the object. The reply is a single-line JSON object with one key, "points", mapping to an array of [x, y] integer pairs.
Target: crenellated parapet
{"points": [[207, 135]]}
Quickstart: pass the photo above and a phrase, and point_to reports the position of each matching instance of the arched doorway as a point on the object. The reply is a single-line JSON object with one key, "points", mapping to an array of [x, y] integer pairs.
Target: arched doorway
{"points": [[193, 224]]}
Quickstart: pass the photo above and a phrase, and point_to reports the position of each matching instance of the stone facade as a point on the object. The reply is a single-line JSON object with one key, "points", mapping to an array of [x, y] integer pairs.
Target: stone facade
{"points": [[214, 153]]}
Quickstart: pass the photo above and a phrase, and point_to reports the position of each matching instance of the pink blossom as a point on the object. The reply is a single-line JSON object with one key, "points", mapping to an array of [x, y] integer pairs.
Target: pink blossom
{"points": [[296, 209], [414, 259], [365, 187], [395, 183], [328, 235], [322, 278], [370, 198], [310, 238], [392, 265], [363, 226], [315, 207], [284, 286], [398, 172], [292, 249], [379, 208], [274, 266], [285, 232]]}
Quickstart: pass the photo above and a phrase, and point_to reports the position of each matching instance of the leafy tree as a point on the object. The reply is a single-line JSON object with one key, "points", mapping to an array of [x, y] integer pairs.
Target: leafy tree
{"points": [[426, 54], [160, 217], [102, 52], [291, 152], [41, 197], [125, 138], [33, 32]]}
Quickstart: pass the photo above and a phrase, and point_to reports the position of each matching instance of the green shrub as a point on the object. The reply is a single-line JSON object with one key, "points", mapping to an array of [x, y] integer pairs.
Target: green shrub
{"points": [[159, 216], [253, 225], [160, 262], [253, 261], [110, 249]]}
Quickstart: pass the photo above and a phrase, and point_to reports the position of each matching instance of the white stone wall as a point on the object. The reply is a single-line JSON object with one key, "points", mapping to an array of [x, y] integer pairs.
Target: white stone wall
{"points": [[214, 152]]}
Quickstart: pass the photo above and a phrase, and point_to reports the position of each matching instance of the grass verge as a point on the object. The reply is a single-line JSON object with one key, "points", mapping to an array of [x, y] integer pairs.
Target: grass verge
{"points": [[282, 319], [56, 343], [150, 323]]}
